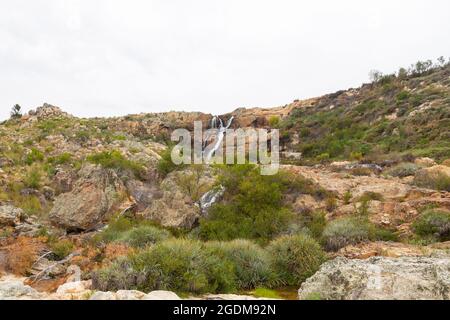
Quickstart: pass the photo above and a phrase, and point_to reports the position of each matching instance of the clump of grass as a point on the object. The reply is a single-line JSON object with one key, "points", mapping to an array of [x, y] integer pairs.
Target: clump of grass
{"points": [[432, 180], [143, 236], [33, 156], [345, 231], [295, 258], [62, 248]]}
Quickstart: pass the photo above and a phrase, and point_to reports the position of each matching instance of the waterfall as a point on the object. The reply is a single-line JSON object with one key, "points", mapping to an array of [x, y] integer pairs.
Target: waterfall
{"points": [[220, 135]]}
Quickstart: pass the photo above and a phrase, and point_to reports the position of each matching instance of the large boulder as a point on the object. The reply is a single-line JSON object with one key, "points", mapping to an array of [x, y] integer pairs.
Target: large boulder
{"points": [[15, 289], [10, 216], [175, 207], [381, 278], [94, 196]]}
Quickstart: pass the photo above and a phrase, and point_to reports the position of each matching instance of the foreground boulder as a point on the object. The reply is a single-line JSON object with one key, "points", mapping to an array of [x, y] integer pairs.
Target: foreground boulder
{"points": [[381, 278], [96, 193]]}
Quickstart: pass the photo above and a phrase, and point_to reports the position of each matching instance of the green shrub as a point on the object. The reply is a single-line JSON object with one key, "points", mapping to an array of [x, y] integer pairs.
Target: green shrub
{"points": [[120, 275], [63, 158], [369, 196], [266, 293], [345, 231], [295, 258], [434, 225], [143, 236], [115, 160], [62, 248], [114, 231], [183, 266], [432, 180], [166, 165], [403, 170], [33, 178], [274, 121], [253, 209], [315, 222], [33, 156], [251, 263]]}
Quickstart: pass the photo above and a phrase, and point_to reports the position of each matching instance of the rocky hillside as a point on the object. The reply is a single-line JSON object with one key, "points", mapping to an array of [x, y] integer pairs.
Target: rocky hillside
{"points": [[94, 208]]}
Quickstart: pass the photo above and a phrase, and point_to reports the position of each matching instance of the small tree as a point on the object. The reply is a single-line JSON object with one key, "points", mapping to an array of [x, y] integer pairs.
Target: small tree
{"points": [[15, 111], [375, 75]]}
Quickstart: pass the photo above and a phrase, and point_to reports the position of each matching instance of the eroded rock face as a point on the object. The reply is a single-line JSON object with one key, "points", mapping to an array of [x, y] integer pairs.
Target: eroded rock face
{"points": [[93, 197], [175, 208], [10, 216], [381, 278]]}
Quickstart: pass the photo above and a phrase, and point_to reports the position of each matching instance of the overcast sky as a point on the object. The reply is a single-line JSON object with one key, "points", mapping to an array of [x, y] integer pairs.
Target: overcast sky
{"points": [[106, 57]]}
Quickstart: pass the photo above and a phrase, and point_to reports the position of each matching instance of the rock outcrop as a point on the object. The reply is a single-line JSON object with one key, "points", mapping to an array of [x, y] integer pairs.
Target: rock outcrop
{"points": [[381, 278], [93, 197]]}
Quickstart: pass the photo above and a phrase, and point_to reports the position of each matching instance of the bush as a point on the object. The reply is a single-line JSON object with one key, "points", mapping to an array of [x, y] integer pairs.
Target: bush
{"points": [[183, 266], [432, 180], [434, 225], [143, 236], [63, 158], [253, 208], [345, 231], [251, 263], [115, 160], [33, 178], [403, 170], [274, 122], [295, 258], [315, 222], [33, 156], [120, 275], [62, 248], [166, 165]]}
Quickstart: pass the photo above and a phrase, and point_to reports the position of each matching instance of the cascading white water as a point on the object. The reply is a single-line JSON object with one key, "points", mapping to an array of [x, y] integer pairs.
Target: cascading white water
{"points": [[220, 135]]}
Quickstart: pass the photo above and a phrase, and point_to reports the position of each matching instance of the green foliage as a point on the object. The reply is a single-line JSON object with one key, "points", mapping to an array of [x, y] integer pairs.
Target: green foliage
{"points": [[274, 121], [266, 293], [166, 165], [402, 170], [62, 248], [33, 156], [250, 262], [33, 178], [253, 207], [295, 258], [433, 225], [347, 197], [142, 236], [115, 160], [16, 112], [183, 265], [114, 231], [345, 231], [432, 180], [315, 222]]}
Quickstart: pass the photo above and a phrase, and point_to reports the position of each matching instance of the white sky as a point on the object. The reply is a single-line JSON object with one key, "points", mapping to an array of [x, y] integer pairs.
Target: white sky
{"points": [[107, 57]]}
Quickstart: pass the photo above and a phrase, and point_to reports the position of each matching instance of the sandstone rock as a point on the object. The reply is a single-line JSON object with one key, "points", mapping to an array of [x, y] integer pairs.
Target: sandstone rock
{"points": [[379, 278], [94, 195], [14, 289], [425, 162], [161, 295], [103, 296], [74, 288], [10, 215], [142, 193], [64, 180]]}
